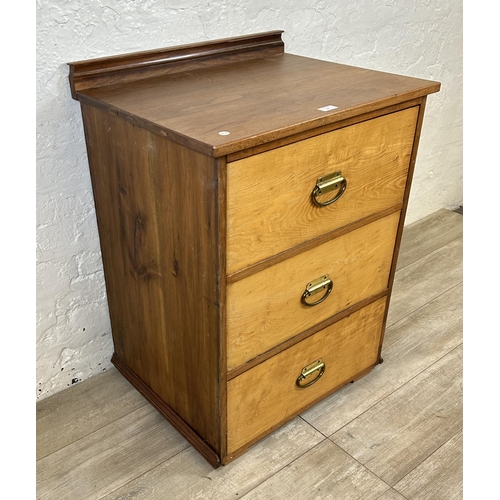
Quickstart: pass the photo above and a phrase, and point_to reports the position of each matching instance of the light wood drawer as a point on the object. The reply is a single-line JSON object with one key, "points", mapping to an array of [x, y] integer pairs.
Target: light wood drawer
{"points": [[263, 397], [265, 309], [269, 205]]}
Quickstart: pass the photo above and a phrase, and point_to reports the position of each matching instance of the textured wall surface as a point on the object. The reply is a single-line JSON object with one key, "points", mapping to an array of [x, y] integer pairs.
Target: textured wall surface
{"points": [[416, 38]]}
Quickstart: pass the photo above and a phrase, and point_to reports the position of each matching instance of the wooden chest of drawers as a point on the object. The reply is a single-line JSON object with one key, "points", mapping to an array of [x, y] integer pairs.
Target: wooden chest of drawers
{"points": [[250, 205]]}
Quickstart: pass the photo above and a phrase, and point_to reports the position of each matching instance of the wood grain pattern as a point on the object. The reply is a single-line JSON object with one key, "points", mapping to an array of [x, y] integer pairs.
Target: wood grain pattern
{"points": [[266, 394], [265, 309], [427, 234], [159, 62], [181, 227], [391, 494], [269, 206], [420, 282], [87, 470], [406, 197], [308, 245], [82, 409], [240, 98], [188, 476], [303, 335], [199, 443], [411, 346], [330, 127], [158, 227], [397, 434], [439, 477], [325, 472]]}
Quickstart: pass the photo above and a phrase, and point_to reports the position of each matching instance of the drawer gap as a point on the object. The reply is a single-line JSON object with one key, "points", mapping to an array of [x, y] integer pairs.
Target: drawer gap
{"points": [[304, 335], [275, 259]]}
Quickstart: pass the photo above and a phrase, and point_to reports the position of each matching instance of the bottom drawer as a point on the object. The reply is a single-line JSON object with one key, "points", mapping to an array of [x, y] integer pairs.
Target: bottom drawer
{"points": [[267, 395]]}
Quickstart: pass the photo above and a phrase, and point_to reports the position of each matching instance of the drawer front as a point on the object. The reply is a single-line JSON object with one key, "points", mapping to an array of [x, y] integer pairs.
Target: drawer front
{"points": [[269, 203], [267, 395], [265, 309]]}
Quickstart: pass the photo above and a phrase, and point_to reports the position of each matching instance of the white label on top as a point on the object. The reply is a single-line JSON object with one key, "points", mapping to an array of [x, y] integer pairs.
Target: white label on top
{"points": [[327, 108]]}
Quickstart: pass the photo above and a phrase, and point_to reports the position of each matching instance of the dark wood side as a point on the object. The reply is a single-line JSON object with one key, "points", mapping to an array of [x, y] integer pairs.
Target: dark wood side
{"points": [[146, 64], [157, 212], [222, 283], [406, 198]]}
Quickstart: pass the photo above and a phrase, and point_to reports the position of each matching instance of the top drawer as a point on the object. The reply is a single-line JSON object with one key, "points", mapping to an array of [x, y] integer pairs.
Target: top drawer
{"points": [[269, 202]]}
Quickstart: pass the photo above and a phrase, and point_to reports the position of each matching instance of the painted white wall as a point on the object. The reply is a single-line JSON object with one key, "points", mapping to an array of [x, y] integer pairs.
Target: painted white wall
{"points": [[421, 38]]}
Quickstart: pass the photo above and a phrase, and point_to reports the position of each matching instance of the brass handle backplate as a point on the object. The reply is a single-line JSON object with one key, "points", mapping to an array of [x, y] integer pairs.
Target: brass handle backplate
{"points": [[316, 366], [316, 286], [328, 183]]}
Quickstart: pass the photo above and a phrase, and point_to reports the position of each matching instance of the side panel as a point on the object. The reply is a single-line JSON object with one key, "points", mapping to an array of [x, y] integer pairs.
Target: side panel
{"points": [[157, 211], [406, 198]]}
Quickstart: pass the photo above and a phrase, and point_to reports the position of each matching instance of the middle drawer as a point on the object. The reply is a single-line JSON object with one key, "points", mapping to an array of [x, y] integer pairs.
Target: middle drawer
{"points": [[266, 308]]}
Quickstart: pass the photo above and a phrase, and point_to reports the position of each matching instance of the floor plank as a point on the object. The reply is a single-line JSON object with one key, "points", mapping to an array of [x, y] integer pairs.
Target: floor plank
{"points": [[411, 345], [82, 409], [325, 472], [188, 475], [439, 477], [402, 430], [108, 458], [428, 234], [425, 279]]}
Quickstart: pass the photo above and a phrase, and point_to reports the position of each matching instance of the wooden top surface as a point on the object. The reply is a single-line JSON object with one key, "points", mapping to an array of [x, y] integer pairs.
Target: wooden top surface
{"points": [[256, 100]]}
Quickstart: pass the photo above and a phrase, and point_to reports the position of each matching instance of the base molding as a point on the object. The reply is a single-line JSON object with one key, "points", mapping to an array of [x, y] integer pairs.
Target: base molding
{"points": [[180, 425]]}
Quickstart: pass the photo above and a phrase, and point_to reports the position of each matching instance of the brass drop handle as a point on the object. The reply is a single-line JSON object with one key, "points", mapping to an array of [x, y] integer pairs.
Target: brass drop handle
{"points": [[316, 366], [328, 183], [316, 286]]}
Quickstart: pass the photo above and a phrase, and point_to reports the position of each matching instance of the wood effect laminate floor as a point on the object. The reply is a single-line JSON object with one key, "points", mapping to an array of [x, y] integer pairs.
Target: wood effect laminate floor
{"points": [[395, 434]]}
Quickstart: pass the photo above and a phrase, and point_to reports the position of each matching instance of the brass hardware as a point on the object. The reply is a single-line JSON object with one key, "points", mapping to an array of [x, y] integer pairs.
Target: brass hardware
{"points": [[317, 286], [308, 370], [328, 183]]}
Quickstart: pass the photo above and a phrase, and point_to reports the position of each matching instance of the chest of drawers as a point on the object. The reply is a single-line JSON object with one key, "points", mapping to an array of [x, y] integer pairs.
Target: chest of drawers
{"points": [[250, 205]]}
